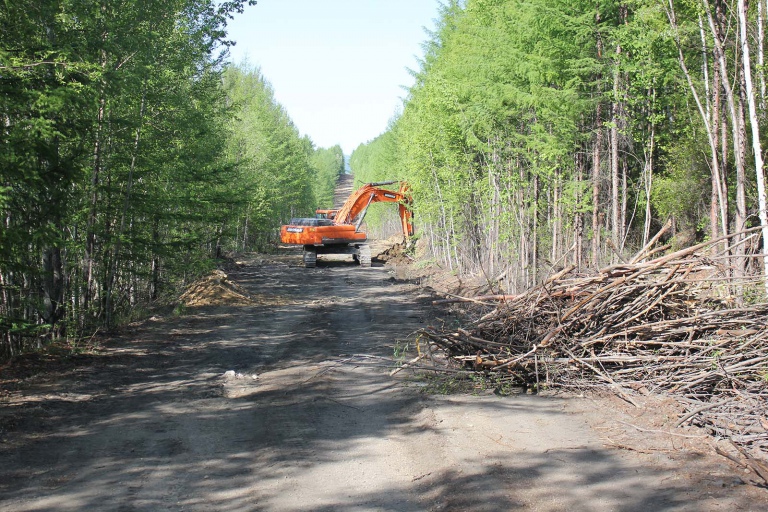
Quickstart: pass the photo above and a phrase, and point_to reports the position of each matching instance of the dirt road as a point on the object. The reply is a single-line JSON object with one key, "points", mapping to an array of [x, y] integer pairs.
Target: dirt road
{"points": [[286, 404]]}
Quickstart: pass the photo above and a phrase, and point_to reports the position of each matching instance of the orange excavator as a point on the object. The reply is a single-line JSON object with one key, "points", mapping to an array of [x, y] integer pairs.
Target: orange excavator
{"points": [[338, 231]]}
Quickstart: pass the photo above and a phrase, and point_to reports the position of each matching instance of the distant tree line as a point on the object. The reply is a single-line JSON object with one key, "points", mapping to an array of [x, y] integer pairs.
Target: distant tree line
{"points": [[279, 174], [553, 132], [131, 157]]}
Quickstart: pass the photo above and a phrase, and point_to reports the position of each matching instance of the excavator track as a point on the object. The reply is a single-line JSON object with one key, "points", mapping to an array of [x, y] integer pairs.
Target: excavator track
{"points": [[310, 258], [364, 255]]}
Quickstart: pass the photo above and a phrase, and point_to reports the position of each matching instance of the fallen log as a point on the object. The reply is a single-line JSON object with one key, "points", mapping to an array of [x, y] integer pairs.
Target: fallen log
{"points": [[479, 298]]}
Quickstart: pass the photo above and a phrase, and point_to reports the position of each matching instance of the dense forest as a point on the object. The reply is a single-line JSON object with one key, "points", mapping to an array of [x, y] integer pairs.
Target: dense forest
{"points": [[131, 157], [545, 133]]}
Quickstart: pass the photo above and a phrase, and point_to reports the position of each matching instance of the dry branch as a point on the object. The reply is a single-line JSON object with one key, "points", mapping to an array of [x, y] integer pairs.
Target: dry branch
{"points": [[672, 324]]}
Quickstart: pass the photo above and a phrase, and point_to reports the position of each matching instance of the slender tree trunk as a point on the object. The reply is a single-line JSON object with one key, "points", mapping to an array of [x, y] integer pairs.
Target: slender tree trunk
{"points": [[494, 259], [648, 182], [624, 203], [154, 282], [579, 217], [670, 10], [614, 141], [596, 160], [724, 188], [90, 242], [596, 190], [716, 23], [6, 344], [712, 96], [761, 55], [555, 218], [245, 232], [124, 213], [443, 218], [717, 192], [53, 287], [535, 236], [618, 175], [753, 121], [741, 181]]}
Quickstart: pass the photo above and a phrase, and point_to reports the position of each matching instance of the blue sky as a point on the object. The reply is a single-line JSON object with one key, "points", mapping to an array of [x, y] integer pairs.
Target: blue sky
{"points": [[337, 66]]}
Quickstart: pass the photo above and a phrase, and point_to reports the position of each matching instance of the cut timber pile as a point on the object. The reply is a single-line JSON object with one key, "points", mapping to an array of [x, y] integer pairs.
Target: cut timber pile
{"points": [[667, 325]]}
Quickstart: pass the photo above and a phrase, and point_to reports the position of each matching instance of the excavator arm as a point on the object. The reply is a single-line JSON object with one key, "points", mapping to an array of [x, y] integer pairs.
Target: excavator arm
{"points": [[356, 206]]}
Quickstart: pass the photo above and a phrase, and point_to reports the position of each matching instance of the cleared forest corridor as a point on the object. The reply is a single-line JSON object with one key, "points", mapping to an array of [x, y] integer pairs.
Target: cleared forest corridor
{"points": [[587, 186]]}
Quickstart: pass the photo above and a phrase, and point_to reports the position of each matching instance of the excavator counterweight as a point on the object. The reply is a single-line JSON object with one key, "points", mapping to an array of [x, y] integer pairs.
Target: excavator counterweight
{"points": [[338, 231]]}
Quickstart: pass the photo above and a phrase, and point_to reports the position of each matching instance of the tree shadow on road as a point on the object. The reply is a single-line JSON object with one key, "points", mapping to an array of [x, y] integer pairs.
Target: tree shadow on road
{"points": [[154, 424]]}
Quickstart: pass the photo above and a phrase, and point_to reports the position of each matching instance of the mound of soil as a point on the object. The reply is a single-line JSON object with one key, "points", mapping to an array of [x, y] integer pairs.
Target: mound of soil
{"points": [[215, 289], [392, 250]]}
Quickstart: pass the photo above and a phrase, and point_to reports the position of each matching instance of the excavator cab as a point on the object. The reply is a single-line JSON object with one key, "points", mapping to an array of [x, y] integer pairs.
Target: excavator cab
{"points": [[325, 214]]}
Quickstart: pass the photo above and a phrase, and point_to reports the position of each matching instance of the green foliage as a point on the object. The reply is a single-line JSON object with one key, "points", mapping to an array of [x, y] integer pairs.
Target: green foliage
{"points": [[495, 108], [132, 159], [448, 384], [377, 161], [275, 177], [129, 162], [682, 191], [327, 166], [498, 136]]}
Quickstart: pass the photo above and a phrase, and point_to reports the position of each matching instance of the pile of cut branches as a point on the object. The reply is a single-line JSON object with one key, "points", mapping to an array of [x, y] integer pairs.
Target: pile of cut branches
{"points": [[665, 325]]}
